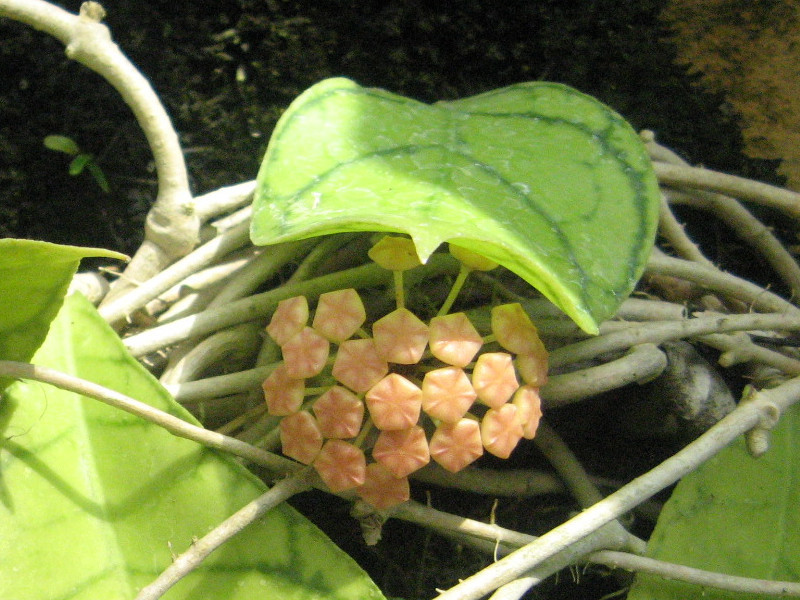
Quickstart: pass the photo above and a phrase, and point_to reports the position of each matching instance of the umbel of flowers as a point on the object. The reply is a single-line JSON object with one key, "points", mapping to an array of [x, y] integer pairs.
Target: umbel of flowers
{"points": [[368, 409]]}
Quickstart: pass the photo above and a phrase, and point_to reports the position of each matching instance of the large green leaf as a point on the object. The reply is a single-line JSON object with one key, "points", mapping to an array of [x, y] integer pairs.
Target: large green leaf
{"points": [[34, 277], [94, 501], [547, 181], [736, 515]]}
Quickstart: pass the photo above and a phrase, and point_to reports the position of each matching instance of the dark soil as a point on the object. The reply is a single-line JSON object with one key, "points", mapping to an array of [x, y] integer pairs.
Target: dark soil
{"points": [[226, 71]]}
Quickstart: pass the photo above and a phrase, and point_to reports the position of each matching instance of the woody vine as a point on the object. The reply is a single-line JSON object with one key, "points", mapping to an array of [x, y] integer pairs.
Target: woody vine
{"points": [[209, 310]]}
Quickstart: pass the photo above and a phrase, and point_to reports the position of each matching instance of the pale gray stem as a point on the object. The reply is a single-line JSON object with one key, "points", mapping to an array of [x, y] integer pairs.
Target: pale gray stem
{"points": [[718, 281], [658, 332], [119, 309], [174, 425], [643, 363], [739, 187], [199, 550], [744, 417], [675, 235]]}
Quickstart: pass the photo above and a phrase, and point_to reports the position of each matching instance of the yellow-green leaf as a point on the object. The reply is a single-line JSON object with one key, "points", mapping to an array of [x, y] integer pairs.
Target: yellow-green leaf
{"points": [[34, 276], [735, 515], [94, 502]]}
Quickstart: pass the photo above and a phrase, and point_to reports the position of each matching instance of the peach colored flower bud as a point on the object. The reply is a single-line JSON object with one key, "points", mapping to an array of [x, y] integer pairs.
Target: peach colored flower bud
{"points": [[403, 451], [301, 438], [340, 413], [339, 314], [533, 368], [394, 403], [400, 337], [514, 331], [395, 253], [454, 340], [283, 394], [358, 366], [456, 445], [494, 378], [288, 319], [341, 465], [447, 394], [501, 430], [383, 490], [305, 354], [529, 409], [471, 259]]}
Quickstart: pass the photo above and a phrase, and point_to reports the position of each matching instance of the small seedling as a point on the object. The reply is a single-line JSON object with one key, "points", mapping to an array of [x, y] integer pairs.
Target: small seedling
{"points": [[81, 160]]}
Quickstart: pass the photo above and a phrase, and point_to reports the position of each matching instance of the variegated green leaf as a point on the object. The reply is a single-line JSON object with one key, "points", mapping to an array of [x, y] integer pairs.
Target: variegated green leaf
{"points": [[544, 180]]}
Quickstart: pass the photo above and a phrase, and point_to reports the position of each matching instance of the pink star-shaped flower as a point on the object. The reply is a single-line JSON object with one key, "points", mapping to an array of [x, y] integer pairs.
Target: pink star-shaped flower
{"points": [[339, 314], [456, 445], [394, 403]]}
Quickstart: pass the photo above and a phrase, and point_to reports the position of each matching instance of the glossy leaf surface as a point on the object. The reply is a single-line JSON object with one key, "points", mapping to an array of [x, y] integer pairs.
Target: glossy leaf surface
{"points": [[538, 177], [735, 515], [94, 501], [34, 276]]}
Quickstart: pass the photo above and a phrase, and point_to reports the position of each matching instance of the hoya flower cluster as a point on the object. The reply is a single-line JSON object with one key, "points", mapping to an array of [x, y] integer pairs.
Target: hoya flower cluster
{"points": [[407, 392]]}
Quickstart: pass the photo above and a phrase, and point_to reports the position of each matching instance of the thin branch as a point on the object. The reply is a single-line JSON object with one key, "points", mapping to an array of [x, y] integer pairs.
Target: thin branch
{"points": [[657, 332], [515, 589], [720, 581], [221, 385], [745, 226], [675, 234], [515, 483], [577, 479], [603, 537], [241, 341], [223, 200], [731, 212], [739, 187], [739, 348], [199, 550], [447, 523], [123, 306], [744, 417], [174, 425], [202, 279], [713, 279], [260, 269], [643, 363]]}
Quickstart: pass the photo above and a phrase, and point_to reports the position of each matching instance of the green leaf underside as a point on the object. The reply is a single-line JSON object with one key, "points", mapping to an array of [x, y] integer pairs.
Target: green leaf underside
{"points": [[34, 276], [735, 515], [547, 181], [93, 501]]}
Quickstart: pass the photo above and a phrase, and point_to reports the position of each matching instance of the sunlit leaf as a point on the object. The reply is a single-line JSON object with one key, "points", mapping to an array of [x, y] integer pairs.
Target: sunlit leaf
{"points": [[34, 277], [540, 178], [736, 515], [94, 502]]}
